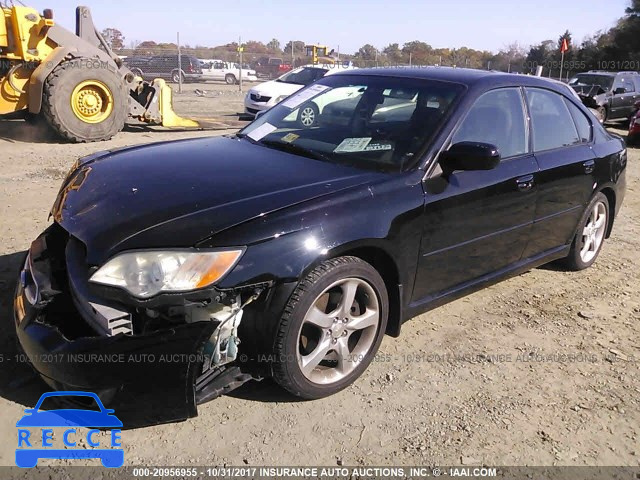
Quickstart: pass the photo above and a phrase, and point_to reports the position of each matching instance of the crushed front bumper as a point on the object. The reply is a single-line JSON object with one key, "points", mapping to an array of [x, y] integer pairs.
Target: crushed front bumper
{"points": [[148, 378]]}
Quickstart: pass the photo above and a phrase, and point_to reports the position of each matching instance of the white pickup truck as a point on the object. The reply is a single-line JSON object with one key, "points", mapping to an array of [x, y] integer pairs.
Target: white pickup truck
{"points": [[227, 72]]}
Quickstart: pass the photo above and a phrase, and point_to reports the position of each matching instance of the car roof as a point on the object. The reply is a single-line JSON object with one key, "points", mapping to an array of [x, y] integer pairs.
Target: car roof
{"points": [[459, 75], [607, 73], [465, 76]]}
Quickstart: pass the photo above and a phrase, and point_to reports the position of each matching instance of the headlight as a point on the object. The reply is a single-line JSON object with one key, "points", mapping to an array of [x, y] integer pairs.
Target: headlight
{"points": [[280, 98], [147, 273]]}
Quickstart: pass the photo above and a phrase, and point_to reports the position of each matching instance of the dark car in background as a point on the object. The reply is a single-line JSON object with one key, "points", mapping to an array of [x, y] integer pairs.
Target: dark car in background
{"points": [[289, 251], [271, 67], [612, 94], [167, 67]]}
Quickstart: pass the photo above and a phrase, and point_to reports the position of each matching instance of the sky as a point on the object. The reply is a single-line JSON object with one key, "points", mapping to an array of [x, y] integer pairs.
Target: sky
{"points": [[347, 25]]}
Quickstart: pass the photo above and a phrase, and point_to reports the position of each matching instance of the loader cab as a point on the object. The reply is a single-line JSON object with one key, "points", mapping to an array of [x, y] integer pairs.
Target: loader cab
{"points": [[319, 54]]}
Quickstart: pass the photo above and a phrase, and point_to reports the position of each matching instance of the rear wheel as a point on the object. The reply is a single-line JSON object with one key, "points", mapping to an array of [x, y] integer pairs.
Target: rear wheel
{"points": [[331, 329], [84, 103], [590, 235], [177, 77], [230, 79]]}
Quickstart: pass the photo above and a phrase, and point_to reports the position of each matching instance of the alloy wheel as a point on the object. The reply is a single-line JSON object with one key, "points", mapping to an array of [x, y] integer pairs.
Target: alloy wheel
{"points": [[594, 232], [338, 331]]}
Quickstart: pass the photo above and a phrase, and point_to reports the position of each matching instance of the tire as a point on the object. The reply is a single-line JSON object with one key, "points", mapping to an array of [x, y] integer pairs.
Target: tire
{"points": [[308, 115], [176, 77], [230, 79], [356, 331], [603, 114], [69, 116], [577, 258]]}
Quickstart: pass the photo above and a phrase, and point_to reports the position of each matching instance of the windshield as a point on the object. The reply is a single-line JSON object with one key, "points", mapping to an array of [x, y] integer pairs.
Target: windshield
{"points": [[303, 75], [372, 122], [604, 81]]}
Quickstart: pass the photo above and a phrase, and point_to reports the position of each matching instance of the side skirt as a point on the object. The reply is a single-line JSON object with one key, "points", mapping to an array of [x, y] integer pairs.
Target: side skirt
{"points": [[434, 301]]}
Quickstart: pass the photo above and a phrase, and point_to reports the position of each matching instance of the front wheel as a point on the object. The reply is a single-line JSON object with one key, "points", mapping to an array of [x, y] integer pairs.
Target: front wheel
{"points": [[590, 235], [308, 115], [331, 328], [84, 102], [602, 114]]}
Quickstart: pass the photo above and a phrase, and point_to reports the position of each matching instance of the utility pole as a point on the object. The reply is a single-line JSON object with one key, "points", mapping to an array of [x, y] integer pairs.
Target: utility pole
{"points": [[240, 49], [179, 66]]}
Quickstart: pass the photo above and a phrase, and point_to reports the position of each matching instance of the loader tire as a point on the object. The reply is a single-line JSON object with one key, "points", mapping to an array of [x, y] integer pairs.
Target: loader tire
{"points": [[85, 100]]}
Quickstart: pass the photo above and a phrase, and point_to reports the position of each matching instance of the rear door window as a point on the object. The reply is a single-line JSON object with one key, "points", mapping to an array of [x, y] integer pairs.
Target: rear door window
{"points": [[551, 122]]}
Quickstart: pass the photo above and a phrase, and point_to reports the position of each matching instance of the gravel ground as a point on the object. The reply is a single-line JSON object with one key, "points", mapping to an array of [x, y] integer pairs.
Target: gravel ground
{"points": [[481, 380]]}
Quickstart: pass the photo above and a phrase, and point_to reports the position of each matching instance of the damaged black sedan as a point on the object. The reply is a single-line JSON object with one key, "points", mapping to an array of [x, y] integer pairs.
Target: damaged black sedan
{"points": [[177, 271]]}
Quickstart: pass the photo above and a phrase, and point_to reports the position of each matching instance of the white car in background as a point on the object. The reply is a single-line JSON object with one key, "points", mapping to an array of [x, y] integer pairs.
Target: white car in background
{"points": [[266, 95], [227, 72]]}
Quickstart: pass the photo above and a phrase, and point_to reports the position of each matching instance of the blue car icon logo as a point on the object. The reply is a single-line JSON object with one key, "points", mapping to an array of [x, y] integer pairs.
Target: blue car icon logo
{"points": [[35, 436]]}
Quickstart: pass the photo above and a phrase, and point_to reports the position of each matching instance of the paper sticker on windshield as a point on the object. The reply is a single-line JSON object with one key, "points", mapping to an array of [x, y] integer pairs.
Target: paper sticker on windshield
{"points": [[378, 147], [353, 145], [290, 137], [262, 131], [298, 99]]}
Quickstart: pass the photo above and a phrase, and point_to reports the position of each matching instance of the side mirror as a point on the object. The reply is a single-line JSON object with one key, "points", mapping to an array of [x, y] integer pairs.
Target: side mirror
{"points": [[619, 91], [469, 156], [258, 114]]}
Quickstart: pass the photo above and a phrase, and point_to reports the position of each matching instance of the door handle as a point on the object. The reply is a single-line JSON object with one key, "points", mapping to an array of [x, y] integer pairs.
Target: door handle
{"points": [[589, 166], [525, 183]]}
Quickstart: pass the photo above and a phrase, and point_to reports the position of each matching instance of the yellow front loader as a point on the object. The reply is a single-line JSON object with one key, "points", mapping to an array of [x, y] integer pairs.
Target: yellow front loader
{"points": [[74, 81], [320, 54]]}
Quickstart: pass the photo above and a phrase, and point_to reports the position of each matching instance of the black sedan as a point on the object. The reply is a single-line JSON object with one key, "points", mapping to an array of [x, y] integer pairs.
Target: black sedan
{"points": [[177, 271]]}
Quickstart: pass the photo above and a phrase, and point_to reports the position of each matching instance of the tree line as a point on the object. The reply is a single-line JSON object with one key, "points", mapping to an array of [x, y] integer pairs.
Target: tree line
{"points": [[615, 49]]}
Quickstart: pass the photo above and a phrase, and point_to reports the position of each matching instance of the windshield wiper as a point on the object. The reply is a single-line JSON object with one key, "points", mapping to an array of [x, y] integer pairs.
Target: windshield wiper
{"points": [[295, 149]]}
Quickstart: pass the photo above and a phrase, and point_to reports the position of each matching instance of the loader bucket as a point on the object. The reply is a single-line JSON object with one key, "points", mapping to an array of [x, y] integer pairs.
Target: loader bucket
{"points": [[169, 117]]}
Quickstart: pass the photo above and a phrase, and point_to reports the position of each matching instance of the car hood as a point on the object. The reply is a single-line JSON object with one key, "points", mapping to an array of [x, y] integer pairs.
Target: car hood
{"points": [[274, 88], [590, 90], [176, 194]]}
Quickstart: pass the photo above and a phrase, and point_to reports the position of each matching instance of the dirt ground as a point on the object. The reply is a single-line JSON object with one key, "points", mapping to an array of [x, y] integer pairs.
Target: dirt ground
{"points": [[539, 370]]}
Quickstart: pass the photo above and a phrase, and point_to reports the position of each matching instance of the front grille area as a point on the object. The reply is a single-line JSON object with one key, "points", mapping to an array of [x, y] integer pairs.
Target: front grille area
{"points": [[48, 266], [259, 98]]}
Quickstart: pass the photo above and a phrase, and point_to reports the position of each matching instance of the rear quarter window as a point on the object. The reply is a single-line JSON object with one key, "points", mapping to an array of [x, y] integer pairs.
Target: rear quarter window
{"points": [[583, 124]]}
